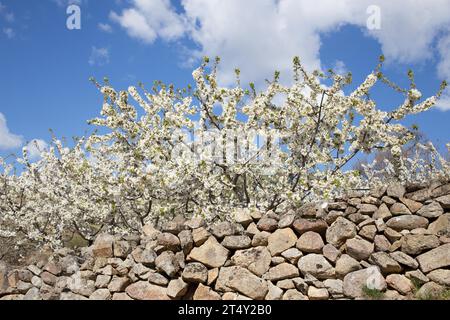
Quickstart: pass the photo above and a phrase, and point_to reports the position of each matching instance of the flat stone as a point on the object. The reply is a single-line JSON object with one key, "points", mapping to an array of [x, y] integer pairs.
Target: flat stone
{"points": [[419, 195], [417, 243], [143, 290], [224, 228], [212, 254], [407, 222], [385, 262], [281, 271], [399, 209], [359, 249], [435, 259], [440, 276], [316, 265], [404, 259], [257, 259], [236, 242], [412, 205], [431, 210], [367, 208], [304, 225], [310, 242], [340, 231]]}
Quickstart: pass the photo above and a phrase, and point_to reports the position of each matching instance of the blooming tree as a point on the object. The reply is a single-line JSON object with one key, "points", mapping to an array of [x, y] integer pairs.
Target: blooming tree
{"points": [[207, 150]]}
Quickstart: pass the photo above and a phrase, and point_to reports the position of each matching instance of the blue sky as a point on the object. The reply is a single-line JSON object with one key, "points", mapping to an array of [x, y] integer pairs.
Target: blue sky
{"points": [[44, 67]]}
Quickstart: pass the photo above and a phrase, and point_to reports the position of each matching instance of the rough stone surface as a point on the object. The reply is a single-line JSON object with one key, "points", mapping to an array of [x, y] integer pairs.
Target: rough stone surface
{"points": [[143, 290], [195, 272], [211, 253], [355, 282], [440, 276], [346, 264], [281, 240], [417, 243], [359, 249], [340, 231], [248, 284], [257, 259], [435, 259], [236, 242], [385, 262], [407, 222], [282, 271], [316, 265]]}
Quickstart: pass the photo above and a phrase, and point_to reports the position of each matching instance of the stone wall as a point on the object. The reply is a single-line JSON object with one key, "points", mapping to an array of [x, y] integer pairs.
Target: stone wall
{"points": [[390, 243]]}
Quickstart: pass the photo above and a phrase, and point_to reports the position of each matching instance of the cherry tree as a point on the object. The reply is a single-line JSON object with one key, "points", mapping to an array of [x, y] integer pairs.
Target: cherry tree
{"points": [[208, 150]]}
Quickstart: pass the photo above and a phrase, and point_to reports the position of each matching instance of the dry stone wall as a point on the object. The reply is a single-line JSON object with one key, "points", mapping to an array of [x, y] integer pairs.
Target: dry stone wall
{"points": [[390, 243]]}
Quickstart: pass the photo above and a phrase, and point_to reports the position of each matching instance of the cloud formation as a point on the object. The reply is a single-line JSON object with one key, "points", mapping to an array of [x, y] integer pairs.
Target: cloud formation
{"points": [[99, 56], [259, 36], [8, 140]]}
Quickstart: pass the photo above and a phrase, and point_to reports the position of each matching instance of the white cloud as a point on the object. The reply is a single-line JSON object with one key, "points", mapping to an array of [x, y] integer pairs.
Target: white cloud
{"points": [[35, 148], [259, 36], [8, 140], [339, 67], [9, 32], [105, 27], [147, 20], [99, 56]]}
